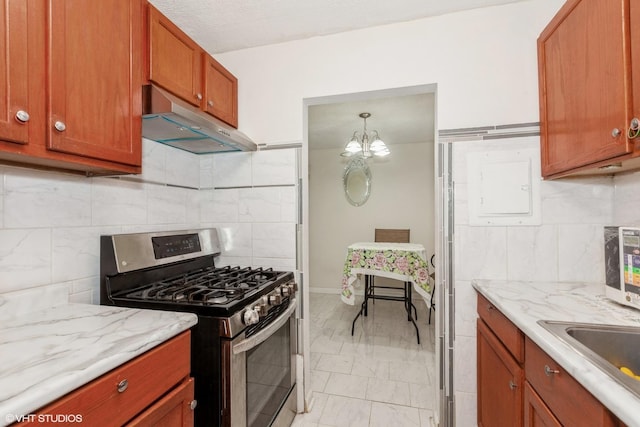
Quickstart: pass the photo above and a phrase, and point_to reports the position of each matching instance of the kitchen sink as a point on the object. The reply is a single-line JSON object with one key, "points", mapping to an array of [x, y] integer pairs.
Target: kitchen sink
{"points": [[609, 347]]}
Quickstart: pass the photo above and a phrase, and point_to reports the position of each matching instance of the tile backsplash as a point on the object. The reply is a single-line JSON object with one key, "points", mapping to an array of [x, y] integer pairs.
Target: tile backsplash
{"points": [[50, 222], [566, 246]]}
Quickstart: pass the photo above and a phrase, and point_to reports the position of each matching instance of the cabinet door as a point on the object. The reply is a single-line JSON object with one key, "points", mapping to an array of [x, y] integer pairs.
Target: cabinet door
{"points": [[536, 413], [175, 59], [500, 381], [582, 57], [173, 410], [634, 15], [221, 92], [95, 103], [14, 88]]}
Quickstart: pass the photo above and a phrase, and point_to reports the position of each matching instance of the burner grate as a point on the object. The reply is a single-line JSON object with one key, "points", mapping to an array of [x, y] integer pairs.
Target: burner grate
{"points": [[210, 286]]}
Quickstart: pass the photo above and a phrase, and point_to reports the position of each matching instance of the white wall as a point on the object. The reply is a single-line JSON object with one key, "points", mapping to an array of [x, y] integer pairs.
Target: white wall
{"points": [[401, 197], [483, 61]]}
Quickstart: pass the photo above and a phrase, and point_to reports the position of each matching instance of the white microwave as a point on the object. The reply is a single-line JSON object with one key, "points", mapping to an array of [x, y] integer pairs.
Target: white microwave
{"points": [[622, 265]]}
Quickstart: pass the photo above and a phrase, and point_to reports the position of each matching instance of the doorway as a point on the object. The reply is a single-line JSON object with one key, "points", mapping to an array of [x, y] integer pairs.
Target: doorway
{"points": [[403, 195]]}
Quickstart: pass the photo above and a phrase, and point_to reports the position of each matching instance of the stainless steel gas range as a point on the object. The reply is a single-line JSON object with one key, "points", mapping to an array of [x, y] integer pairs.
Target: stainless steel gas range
{"points": [[244, 345]]}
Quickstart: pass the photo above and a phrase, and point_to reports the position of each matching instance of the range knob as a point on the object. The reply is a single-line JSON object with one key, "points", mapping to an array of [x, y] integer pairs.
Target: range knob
{"points": [[293, 286], [275, 299], [262, 309], [286, 291], [250, 317]]}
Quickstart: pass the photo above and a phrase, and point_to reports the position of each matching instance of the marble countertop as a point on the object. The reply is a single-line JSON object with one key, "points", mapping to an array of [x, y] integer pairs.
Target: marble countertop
{"points": [[46, 354], [524, 303]]}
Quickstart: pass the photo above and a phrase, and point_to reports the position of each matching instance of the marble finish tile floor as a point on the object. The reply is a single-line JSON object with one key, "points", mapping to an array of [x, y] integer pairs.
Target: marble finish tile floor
{"points": [[380, 376]]}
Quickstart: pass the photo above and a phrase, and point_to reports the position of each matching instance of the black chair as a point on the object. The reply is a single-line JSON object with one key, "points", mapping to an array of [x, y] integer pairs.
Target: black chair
{"points": [[393, 235], [432, 305]]}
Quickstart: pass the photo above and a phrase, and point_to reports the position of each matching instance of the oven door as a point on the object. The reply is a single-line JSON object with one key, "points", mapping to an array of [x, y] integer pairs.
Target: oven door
{"points": [[259, 375]]}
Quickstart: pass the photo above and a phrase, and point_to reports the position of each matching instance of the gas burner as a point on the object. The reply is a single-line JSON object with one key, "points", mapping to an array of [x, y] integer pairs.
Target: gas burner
{"points": [[216, 298], [208, 287]]}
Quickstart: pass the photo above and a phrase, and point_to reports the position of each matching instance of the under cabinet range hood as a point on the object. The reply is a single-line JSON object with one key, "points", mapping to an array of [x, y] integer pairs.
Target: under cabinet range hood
{"points": [[169, 120]]}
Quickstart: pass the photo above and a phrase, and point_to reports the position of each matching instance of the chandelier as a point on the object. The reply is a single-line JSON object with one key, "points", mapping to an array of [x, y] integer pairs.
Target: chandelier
{"points": [[360, 146]]}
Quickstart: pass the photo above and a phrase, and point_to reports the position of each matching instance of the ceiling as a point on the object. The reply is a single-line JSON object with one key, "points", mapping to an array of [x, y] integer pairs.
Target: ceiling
{"points": [[399, 120], [224, 25]]}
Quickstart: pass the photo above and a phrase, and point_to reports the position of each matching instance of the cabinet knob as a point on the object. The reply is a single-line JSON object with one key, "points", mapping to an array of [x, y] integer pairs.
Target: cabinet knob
{"points": [[512, 385], [634, 128], [22, 116], [210, 103], [199, 96], [122, 386], [548, 371], [193, 404], [60, 126], [616, 132]]}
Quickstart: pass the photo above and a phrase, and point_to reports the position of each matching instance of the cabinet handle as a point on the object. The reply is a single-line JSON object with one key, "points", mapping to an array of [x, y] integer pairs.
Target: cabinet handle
{"points": [[490, 307], [548, 371], [193, 404], [199, 96], [616, 132], [210, 103], [122, 386], [634, 128], [22, 116], [512, 385], [60, 126]]}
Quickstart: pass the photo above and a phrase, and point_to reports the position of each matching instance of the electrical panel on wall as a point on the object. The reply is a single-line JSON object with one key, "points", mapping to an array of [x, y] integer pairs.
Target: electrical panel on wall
{"points": [[504, 187]]}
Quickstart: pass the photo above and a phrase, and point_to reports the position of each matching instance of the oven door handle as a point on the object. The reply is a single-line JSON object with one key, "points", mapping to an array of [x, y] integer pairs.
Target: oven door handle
{"points": [[251, 342]]}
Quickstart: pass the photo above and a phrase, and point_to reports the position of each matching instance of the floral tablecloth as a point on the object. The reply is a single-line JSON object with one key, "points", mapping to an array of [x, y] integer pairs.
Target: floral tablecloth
{"points": [[400, 261]]}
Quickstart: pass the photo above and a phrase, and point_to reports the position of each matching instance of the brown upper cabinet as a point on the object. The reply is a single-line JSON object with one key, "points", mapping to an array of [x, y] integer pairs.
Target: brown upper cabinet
{"points": [[179, 65], [70, 86], [589, 82]]}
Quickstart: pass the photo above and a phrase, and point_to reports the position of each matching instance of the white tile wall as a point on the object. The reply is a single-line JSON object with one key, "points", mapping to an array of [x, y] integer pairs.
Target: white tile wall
{"points": [[50, 222], [277, 240], [627, 200], [25, 258], [274, 167], [532, 253], [578, 201], [259, 204], [206, 171], [167, 165], [567, 246], [254, 204], [232, 170], [183, 169], [43, 199], [75, 253], [155, 158]]}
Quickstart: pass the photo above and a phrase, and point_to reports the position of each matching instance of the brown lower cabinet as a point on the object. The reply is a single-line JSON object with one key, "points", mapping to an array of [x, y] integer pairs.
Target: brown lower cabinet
{"points": [[153, 389], [520, 385], [500, 372], [536, 413]]}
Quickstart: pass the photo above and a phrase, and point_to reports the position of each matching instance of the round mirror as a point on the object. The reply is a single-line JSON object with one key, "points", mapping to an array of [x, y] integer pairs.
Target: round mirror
{"points": [[356, 181]]}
